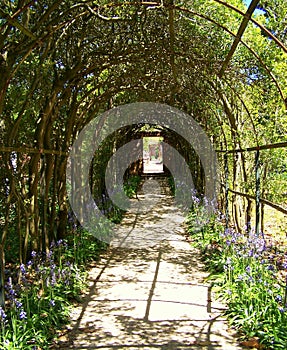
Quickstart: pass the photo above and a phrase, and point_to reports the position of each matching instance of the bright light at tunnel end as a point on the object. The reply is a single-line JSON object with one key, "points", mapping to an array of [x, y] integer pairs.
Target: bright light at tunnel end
{"points": [[89, 139]]}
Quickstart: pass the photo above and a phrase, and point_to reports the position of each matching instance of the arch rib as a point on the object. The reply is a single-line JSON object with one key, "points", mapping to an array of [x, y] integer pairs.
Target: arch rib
{"points": [[239, 35]]}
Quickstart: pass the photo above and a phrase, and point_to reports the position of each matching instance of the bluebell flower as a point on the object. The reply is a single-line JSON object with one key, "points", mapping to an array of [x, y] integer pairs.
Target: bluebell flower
{"points": [[33, 254], [2, 314], [11, 293], [23, 269], [22, 315], [228, 261], [52, 302], [18, 304], [240, 277], [250, 253], [278, 298], [53, 279], [248, 269]]}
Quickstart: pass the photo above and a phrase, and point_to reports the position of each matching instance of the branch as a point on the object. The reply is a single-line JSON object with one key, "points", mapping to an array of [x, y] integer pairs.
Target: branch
{"points": [[16, 24]]}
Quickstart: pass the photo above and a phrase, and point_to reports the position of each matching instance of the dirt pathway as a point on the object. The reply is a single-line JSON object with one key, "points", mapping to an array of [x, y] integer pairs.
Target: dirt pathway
{"points": [[149, 293]]}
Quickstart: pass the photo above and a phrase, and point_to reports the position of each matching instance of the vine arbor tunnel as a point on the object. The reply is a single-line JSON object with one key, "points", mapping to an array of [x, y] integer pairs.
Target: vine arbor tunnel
{"points": [[65, 63]]}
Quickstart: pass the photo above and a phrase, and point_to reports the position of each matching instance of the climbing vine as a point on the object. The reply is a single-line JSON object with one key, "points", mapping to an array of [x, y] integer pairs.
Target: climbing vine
{"points": [[63, 63]]}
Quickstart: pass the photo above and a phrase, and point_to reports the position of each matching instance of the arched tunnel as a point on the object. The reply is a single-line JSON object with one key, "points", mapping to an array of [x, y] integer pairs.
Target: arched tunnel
{"points": [[215, 69], [221, 63]]}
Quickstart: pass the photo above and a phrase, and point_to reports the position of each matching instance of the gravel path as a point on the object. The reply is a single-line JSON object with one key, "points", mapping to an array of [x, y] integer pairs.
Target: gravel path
{"points": [[148, 291]]}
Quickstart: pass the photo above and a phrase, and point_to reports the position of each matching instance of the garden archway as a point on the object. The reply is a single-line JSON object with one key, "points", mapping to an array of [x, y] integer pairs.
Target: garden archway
{"points": [[63, 63]]}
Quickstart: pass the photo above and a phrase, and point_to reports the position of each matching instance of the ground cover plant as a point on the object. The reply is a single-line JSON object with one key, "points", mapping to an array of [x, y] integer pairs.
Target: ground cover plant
{"points": [[40, 292], [249, 272]]}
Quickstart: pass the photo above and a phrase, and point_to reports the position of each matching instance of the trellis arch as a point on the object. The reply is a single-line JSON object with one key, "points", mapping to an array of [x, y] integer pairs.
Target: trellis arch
{"points": [[44, 102]]}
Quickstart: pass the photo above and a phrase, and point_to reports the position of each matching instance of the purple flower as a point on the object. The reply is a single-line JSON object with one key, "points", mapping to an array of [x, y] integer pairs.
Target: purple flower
{"points": [[18, 304], [250, 279], [52, 302], [195, 200], [50, 255], [23, 269], [53, 279], [278, 298], [240, 277], [10, 291], [228, 261], [250, 253], [248, 269], [33, 254], [22, 315], [2, 314]]}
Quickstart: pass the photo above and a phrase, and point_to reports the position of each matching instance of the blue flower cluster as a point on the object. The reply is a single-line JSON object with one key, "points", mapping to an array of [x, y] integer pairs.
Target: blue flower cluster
{"points": [[251, 272], [39, 290], [13, 298]]}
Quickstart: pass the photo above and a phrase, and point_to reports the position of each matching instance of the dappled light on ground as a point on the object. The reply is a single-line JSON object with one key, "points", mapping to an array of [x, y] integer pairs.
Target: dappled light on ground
{"points": [[149, 296]]}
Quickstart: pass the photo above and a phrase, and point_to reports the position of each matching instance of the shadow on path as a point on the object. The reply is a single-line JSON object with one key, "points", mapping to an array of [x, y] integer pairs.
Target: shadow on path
{"points": [[150, 296]]}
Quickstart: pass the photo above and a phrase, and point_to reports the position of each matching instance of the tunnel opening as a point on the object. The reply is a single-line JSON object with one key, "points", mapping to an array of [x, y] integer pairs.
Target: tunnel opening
{"points": [[153, 155]]}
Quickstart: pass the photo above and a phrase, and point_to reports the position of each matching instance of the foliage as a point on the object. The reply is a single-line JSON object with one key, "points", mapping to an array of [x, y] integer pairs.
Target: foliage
{"points": [[39, 294], [131, 185], [57, 73], [63, 63], [251, 275]]}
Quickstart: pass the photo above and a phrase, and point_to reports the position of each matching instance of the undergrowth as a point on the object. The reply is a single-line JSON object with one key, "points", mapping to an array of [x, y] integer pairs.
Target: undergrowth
{"points": [[250, 274], [40, 292]]}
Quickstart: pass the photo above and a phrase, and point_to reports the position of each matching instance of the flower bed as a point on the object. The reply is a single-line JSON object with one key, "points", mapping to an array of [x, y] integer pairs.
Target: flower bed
{"points": [[39, 294], [249, 272]]}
